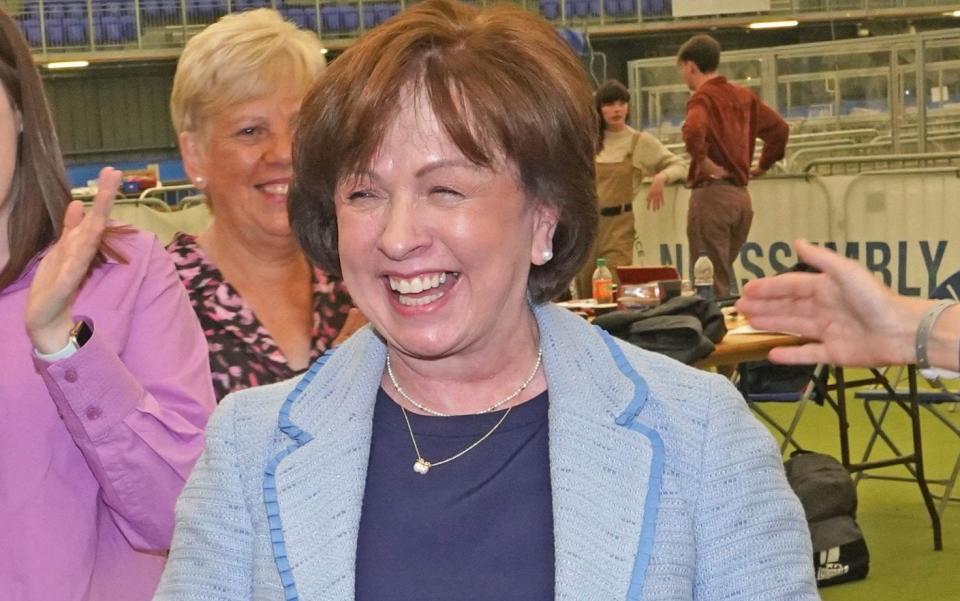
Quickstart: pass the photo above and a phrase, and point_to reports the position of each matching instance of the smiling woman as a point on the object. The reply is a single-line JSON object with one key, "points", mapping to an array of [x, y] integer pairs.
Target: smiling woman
{"points": [[475, 442], [266, 312]]}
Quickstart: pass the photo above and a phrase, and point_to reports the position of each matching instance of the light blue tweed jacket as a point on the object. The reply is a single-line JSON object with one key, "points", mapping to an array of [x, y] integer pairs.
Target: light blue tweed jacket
{"points": [[664, 486]]}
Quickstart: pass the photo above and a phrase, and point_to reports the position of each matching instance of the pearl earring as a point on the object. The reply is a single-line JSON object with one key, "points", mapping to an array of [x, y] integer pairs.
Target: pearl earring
{"points": [[547, 255], [199, 181]]}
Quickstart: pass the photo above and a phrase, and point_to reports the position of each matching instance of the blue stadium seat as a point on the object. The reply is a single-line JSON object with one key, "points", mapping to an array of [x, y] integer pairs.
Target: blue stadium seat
{"points": [[304, 17], [112, 9], [75, 31], [31, 8], [107, 29], [550, 9], [657, 8], [370, 15], [55, 34], [349, 18], [387, 10], [54, 11], [330, 18], [578, 8], [628, 7], [31, 30]]}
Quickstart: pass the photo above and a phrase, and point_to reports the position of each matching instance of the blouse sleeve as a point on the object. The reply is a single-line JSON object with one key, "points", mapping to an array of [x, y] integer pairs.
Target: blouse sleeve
{"points": [[752, 537], [136, 407], [650, 156]]}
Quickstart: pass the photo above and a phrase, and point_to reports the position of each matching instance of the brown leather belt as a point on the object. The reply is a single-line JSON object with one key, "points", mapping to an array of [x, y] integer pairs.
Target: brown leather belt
{"points": [[617, 210]]}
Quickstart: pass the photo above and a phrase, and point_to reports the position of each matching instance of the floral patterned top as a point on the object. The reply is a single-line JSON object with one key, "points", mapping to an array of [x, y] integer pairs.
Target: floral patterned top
{"points": [[242, 352]]}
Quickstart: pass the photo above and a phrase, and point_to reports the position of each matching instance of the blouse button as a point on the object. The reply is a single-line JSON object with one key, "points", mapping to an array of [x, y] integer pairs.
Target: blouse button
{"points": [[70, 375], [93, 413]]}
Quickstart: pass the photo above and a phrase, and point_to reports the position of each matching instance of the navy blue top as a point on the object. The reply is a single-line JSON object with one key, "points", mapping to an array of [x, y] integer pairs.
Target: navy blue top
{"points": [[477, 528]]}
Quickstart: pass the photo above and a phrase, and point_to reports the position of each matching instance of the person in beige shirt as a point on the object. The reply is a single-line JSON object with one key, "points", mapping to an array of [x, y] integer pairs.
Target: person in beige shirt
{"points": [[626, 156]]}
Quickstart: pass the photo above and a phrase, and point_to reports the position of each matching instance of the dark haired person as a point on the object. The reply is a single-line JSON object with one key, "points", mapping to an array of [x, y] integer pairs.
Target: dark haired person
{"points": [[475, 441], [624, 157], [105, 387], [720, 131]]}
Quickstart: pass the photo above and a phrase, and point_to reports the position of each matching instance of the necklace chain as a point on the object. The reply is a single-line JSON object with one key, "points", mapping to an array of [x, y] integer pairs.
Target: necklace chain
{"points": [[422, 466], [490, 409]]}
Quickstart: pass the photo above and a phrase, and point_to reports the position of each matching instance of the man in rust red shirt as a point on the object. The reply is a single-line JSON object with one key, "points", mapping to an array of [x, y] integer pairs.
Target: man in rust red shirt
{"points": [[722, 125]]}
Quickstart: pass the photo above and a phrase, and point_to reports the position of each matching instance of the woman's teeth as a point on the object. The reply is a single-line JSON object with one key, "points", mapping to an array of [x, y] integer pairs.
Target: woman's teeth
{"points": [[418, 284], [420, 300], [275, 188]]}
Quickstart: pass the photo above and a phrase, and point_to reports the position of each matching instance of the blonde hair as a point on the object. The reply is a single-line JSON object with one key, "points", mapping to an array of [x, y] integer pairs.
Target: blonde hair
{"points": [[239, 58]]}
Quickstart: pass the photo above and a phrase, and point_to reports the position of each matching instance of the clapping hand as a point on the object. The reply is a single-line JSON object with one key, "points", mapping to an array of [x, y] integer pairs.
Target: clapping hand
{"points": [[61, 272]]}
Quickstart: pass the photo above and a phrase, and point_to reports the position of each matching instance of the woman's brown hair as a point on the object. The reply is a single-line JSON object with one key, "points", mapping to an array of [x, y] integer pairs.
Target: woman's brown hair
{"points": [[611, 91], [39, 194], [501, 82]]}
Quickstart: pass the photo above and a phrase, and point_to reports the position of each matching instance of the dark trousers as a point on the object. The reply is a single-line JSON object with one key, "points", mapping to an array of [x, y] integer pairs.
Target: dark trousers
{"points": [[718, 222]]}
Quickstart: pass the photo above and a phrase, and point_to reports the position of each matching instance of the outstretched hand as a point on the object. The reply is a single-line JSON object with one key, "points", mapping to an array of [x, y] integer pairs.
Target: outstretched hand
{"points": [[854, 319], [61, 272]]}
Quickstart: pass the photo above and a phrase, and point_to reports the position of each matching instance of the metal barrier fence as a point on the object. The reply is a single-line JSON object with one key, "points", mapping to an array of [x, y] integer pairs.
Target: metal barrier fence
{"points": [[894, 163]]}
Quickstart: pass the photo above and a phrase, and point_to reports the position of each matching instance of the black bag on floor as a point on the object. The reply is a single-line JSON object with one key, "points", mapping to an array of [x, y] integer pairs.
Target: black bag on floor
{"points": [[829, 500], [759, 378]]}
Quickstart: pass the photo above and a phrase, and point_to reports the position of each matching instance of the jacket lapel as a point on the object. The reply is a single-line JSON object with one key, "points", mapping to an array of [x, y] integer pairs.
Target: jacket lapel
{"points": [[600, 470], [320, 484]]}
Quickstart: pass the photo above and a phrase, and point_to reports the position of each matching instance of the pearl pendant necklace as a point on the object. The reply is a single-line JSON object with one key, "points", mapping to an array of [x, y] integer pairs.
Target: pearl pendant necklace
{"points": [[422, 466]]}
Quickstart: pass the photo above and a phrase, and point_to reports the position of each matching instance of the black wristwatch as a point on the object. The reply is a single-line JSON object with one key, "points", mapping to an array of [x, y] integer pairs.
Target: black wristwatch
{"points": [[80, 334]]}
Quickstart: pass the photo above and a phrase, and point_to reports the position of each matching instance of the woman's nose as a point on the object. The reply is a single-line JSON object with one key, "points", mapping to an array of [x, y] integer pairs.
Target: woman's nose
{"points": [[281, 148], [405, 232]]}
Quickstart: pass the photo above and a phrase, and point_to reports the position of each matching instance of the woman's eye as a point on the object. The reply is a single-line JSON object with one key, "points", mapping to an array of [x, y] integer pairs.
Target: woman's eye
{"points": [[445, 191], [359, 195], [247, 132]]}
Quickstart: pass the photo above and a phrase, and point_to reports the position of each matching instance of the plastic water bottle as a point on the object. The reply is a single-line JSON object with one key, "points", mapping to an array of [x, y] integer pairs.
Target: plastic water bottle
{"points": [[703, 276], [602, 282]]}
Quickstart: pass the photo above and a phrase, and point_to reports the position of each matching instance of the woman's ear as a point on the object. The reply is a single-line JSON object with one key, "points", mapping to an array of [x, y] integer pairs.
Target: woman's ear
{"points": [[194, 159], [545, 220]]}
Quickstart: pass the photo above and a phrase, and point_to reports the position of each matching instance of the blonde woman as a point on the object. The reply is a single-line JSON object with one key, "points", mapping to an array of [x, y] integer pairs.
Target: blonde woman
{"points": [[266, 312]]}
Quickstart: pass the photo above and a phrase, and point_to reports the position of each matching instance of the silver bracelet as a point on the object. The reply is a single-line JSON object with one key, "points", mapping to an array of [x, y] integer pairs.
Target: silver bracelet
{"points": [[923, 331]]}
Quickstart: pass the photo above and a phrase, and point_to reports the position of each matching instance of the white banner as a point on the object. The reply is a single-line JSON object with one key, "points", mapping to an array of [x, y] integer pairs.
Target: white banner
{"points": [[694, 8], [900, 226]]}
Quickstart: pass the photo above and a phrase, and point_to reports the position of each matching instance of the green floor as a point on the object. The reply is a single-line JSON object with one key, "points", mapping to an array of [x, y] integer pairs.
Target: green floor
{"points": [[904, 566]]}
